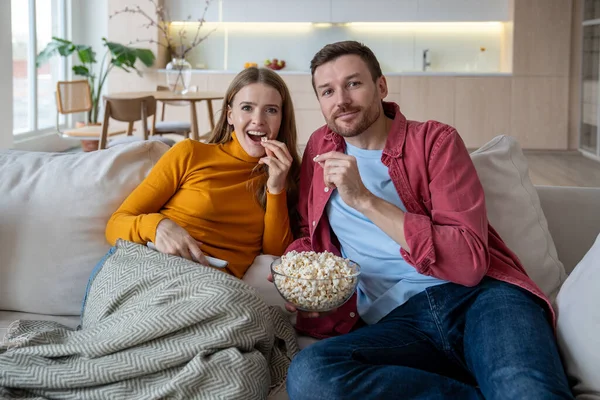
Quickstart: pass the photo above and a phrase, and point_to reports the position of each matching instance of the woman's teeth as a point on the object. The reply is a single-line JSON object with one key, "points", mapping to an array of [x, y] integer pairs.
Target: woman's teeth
{"points": [[257, 136], [256, 133]]}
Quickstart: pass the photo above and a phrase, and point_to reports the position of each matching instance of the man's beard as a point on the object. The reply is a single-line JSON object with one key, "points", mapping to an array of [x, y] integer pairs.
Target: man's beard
{"points": [[366, 120]]}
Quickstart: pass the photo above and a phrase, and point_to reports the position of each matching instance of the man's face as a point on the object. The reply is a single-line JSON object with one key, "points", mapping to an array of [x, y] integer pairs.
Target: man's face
{"points": [[350, 100]]}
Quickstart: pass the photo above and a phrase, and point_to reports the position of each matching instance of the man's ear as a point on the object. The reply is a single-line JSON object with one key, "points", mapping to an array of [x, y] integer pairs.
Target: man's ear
{"points": [[382, 87], [229, 119]]}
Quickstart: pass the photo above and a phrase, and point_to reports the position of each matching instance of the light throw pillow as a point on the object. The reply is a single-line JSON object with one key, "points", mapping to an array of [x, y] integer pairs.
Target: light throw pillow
{"points": [[514, 210], [53, 213], [578, 325]]}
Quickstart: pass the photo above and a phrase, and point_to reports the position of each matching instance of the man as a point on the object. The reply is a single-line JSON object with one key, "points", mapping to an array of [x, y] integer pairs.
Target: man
{"points": [[447, 309]]}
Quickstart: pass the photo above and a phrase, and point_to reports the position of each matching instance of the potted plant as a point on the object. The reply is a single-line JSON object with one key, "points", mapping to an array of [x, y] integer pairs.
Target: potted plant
{"points": [[116, 56]]}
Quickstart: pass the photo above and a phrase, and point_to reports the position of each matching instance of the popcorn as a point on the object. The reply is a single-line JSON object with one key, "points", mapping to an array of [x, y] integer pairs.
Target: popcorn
{"points": [[315, 281]]}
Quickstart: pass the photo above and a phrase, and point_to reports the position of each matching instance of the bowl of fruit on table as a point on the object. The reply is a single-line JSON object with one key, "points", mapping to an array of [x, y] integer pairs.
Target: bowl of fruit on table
{"points": [[275, 64]]}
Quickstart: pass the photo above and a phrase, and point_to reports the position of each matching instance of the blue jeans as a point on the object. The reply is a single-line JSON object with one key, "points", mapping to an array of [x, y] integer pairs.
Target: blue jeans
{"points": [[491, 341], [95, 271]]}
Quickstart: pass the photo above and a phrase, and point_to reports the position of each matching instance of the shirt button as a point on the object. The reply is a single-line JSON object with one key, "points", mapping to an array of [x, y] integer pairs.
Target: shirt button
{"points": [[314, 223], [326, 189], [352, 315]]}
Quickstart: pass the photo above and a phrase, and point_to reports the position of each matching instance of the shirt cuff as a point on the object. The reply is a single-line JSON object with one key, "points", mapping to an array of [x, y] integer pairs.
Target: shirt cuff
{"points": [[418, 232], [278, 200], [150, 224]]}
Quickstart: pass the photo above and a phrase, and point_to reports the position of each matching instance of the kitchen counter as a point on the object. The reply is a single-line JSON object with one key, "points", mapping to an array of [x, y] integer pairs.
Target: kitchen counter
{"points": [[481, 105]]}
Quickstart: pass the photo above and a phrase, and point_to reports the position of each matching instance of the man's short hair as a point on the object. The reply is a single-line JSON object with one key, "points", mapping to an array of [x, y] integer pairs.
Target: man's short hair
{"points": [[349, 47]]}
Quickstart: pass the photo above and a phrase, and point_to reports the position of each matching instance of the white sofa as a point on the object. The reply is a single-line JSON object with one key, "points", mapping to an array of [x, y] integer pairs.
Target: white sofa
{"points": [[54, 207]]}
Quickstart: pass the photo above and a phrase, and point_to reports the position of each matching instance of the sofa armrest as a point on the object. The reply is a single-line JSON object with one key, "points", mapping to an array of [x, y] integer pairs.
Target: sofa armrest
{"points": [[573, 215]]}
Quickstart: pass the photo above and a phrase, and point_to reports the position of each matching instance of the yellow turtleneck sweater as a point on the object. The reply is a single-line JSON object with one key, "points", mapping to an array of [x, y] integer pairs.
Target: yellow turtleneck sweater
{"points": [[204, 189]]}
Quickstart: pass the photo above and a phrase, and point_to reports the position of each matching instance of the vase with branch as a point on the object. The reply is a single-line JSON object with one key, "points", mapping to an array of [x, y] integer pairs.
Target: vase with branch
{"points": [[175, 41]]}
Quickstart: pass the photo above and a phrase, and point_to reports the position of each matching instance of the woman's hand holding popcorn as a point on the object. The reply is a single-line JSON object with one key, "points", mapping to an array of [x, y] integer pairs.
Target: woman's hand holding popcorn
{"points": [[279, 160]]}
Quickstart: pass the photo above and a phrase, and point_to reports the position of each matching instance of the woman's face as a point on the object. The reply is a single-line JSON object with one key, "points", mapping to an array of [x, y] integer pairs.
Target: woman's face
{"points": [[255, 112]]}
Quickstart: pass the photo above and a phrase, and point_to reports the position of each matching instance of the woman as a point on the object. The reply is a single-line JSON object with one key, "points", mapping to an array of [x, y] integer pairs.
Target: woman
{"points": [[229, 198]]}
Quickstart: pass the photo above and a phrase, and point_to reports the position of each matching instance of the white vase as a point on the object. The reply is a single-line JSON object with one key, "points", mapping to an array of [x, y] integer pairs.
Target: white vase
{"points": [[179, 75]]}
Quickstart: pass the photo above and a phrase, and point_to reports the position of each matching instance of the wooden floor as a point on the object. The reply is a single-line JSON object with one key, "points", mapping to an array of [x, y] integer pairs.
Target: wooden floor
{"points": [[562, 169]]}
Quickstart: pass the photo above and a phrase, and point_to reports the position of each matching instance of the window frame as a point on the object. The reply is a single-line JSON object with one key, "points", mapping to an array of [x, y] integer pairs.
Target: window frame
{"points": [[32, 75]]}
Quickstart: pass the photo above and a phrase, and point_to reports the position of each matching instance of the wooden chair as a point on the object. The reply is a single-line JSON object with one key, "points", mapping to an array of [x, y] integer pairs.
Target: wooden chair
{"points": [[130, 111], [76, 97], [177, 127]]}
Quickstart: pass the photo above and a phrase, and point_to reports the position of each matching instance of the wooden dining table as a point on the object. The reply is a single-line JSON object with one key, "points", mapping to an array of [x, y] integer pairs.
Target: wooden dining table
{"points": [[191, 97]]}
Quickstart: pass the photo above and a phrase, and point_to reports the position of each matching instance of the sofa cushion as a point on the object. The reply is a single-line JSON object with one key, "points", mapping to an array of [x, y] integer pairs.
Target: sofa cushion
{"points": [[256, 276], [514, 210], [578, 325], [53, 212], [574, 231]]}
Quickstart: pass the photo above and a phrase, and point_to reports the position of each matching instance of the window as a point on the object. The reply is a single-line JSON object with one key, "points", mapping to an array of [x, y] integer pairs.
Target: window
{"points": [[589, 131], [34, 22]]}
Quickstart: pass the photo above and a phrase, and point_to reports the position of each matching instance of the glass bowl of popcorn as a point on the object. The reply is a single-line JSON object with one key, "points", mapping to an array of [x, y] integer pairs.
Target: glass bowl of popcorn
{"points": [[316, 282]]}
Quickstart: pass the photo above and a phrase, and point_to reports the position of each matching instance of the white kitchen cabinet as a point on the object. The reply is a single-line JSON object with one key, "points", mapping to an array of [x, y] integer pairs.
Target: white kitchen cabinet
{"points": [[343, 10], [179, 10], [464, 10], [276, 11], [420, 10], [374, 10], [235, 10]]}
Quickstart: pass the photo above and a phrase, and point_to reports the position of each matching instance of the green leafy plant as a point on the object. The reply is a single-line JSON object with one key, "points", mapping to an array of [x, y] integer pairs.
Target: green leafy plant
{"points": [[116, 56]]}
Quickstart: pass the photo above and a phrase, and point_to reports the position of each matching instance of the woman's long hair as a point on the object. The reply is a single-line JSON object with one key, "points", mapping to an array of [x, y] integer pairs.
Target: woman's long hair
{"points": [[287, 134]]}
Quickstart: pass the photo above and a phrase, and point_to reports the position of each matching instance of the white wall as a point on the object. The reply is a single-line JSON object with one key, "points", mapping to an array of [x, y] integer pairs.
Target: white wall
{"points": [[6, 94], [90, 24]]}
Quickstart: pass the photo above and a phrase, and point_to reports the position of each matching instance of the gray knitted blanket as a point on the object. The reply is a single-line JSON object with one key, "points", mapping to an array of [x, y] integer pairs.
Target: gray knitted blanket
{"points": [[153, 327]]}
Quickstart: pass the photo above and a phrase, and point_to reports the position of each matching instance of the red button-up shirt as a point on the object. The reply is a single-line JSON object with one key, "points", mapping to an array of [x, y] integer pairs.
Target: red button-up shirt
{"points": [[445, 226]]}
